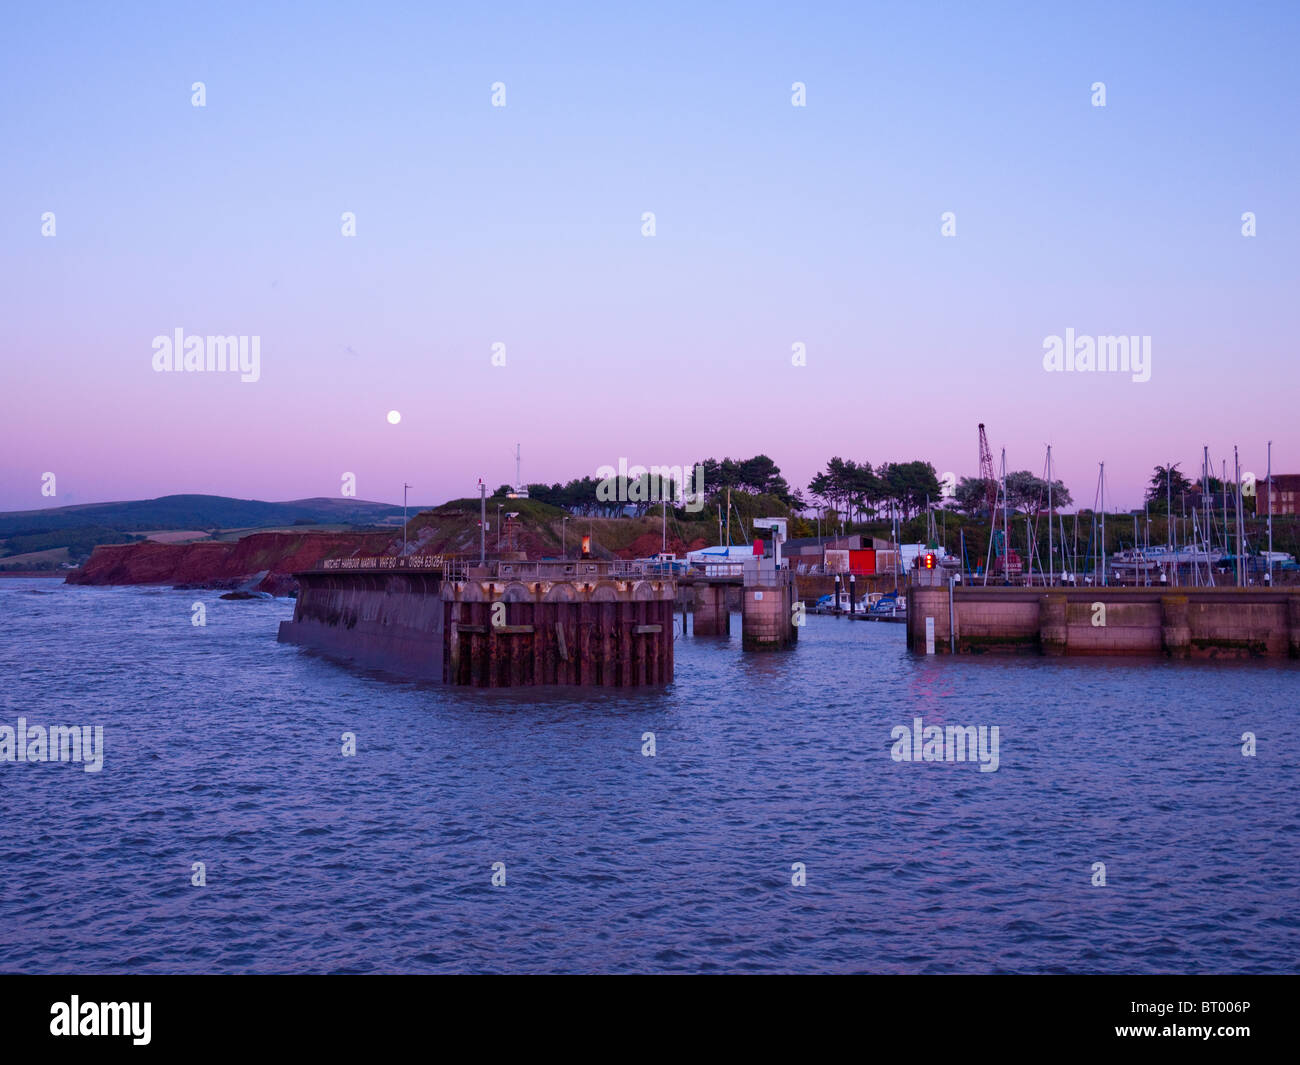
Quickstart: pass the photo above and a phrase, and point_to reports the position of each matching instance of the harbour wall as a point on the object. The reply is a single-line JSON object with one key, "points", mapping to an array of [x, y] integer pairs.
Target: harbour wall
{"points": [[1178, 622], [388, 621], [598, 632], [494, 627]]}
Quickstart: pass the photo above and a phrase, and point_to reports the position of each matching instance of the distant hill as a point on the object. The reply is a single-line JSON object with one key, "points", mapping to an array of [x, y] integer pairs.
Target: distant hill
{"points": [[60, 536], [199, 512]]}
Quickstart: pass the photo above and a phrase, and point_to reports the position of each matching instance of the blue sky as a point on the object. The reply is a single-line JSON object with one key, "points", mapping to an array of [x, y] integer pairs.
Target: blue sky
{"points": [[521, 225]]}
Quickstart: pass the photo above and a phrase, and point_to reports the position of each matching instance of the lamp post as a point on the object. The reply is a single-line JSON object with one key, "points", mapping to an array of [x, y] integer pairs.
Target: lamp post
{"points": [[499, 505], [564, 548], [405, 486]]}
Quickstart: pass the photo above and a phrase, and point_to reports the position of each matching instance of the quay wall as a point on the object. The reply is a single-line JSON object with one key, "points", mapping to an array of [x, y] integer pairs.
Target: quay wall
{"points": [[767, 615], [599, 632], [490, 631], [388, 621], [1177, 622]]}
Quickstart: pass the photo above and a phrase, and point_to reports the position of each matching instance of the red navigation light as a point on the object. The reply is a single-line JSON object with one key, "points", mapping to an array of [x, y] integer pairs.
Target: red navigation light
{"points": [[929, 560]]}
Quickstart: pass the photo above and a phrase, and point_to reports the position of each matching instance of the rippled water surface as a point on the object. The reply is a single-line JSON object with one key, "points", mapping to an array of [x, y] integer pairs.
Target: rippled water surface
{"points": [[223, 747]]}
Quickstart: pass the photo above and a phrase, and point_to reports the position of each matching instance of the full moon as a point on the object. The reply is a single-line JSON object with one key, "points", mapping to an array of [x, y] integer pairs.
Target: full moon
{"points": [[394, 417]]}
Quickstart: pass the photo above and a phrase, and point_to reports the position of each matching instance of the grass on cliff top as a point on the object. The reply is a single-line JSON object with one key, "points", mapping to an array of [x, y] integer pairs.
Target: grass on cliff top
{"points": [[545, 522], [528, 509]]}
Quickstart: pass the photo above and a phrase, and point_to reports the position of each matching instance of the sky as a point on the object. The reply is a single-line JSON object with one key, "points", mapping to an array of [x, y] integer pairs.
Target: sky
{"points": [[523, 225]]}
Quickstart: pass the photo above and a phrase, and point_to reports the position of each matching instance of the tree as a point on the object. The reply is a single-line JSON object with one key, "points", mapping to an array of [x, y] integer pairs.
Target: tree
{"points": [[713, 477], [758, 475], [1028, 493], [909, 485], [863, 488], [847, 486], [970, 495], [649, 490], [1060, 496], [762, 476], [1167, 482]]}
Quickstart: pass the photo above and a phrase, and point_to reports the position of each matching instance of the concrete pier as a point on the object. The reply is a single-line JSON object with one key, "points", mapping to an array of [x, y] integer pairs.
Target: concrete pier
{"points": [[383, 620], [712, 615], [504, 624], [1053, 624], [767, 607], [537, 626], [1178, 623]]}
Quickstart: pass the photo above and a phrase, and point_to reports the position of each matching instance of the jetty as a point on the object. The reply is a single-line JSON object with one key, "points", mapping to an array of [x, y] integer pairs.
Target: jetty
{"points": [[501, 623], [1189, 622]]}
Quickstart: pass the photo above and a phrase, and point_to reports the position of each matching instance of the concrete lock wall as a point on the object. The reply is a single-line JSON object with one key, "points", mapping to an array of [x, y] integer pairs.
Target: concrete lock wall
{"points": [[767, 607], [712, 615], [608, 633], [490, 632], [1180, 623], [383, 621]]}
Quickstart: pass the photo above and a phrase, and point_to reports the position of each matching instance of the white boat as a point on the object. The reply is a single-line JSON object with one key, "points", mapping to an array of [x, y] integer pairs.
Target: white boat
{"points": [[830, 604], [1187, 555], [873, 604], [835, 603], [888, 605], [1134, 563], [721, 560]]}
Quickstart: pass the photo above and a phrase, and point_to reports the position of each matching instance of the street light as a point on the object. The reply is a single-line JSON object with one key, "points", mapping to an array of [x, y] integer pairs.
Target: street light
{"points": [[499, 506], [482, 522], [405, 486], [564, 550]]}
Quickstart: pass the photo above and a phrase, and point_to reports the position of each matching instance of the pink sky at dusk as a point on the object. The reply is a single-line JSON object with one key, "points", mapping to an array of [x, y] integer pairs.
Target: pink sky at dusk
{"points": [[522, 225]]}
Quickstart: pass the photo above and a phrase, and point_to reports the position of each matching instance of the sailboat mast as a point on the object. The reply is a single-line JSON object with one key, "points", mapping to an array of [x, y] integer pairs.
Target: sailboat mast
{"points": [[1204, 534], [1051, 562], [1101, 544], [1006, 536], [1269, 477], [897, 530], [1169, 505], [1029, 554], [1236, 517]]}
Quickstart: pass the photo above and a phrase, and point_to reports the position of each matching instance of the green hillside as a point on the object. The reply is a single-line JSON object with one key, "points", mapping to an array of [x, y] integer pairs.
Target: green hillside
{"points": [[45, 539], [198, 512]]}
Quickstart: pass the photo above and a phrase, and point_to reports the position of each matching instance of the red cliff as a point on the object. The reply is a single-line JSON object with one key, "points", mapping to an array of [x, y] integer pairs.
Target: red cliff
{"points": [[277, 555]]}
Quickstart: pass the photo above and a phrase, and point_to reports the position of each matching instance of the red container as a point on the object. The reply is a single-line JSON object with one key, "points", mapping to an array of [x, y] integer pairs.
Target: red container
{"points": [[862, 561]]}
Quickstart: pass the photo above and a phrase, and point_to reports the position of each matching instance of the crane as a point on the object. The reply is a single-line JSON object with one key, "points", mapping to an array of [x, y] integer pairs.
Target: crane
{"points": [[986, 474], [1002, 558]]}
